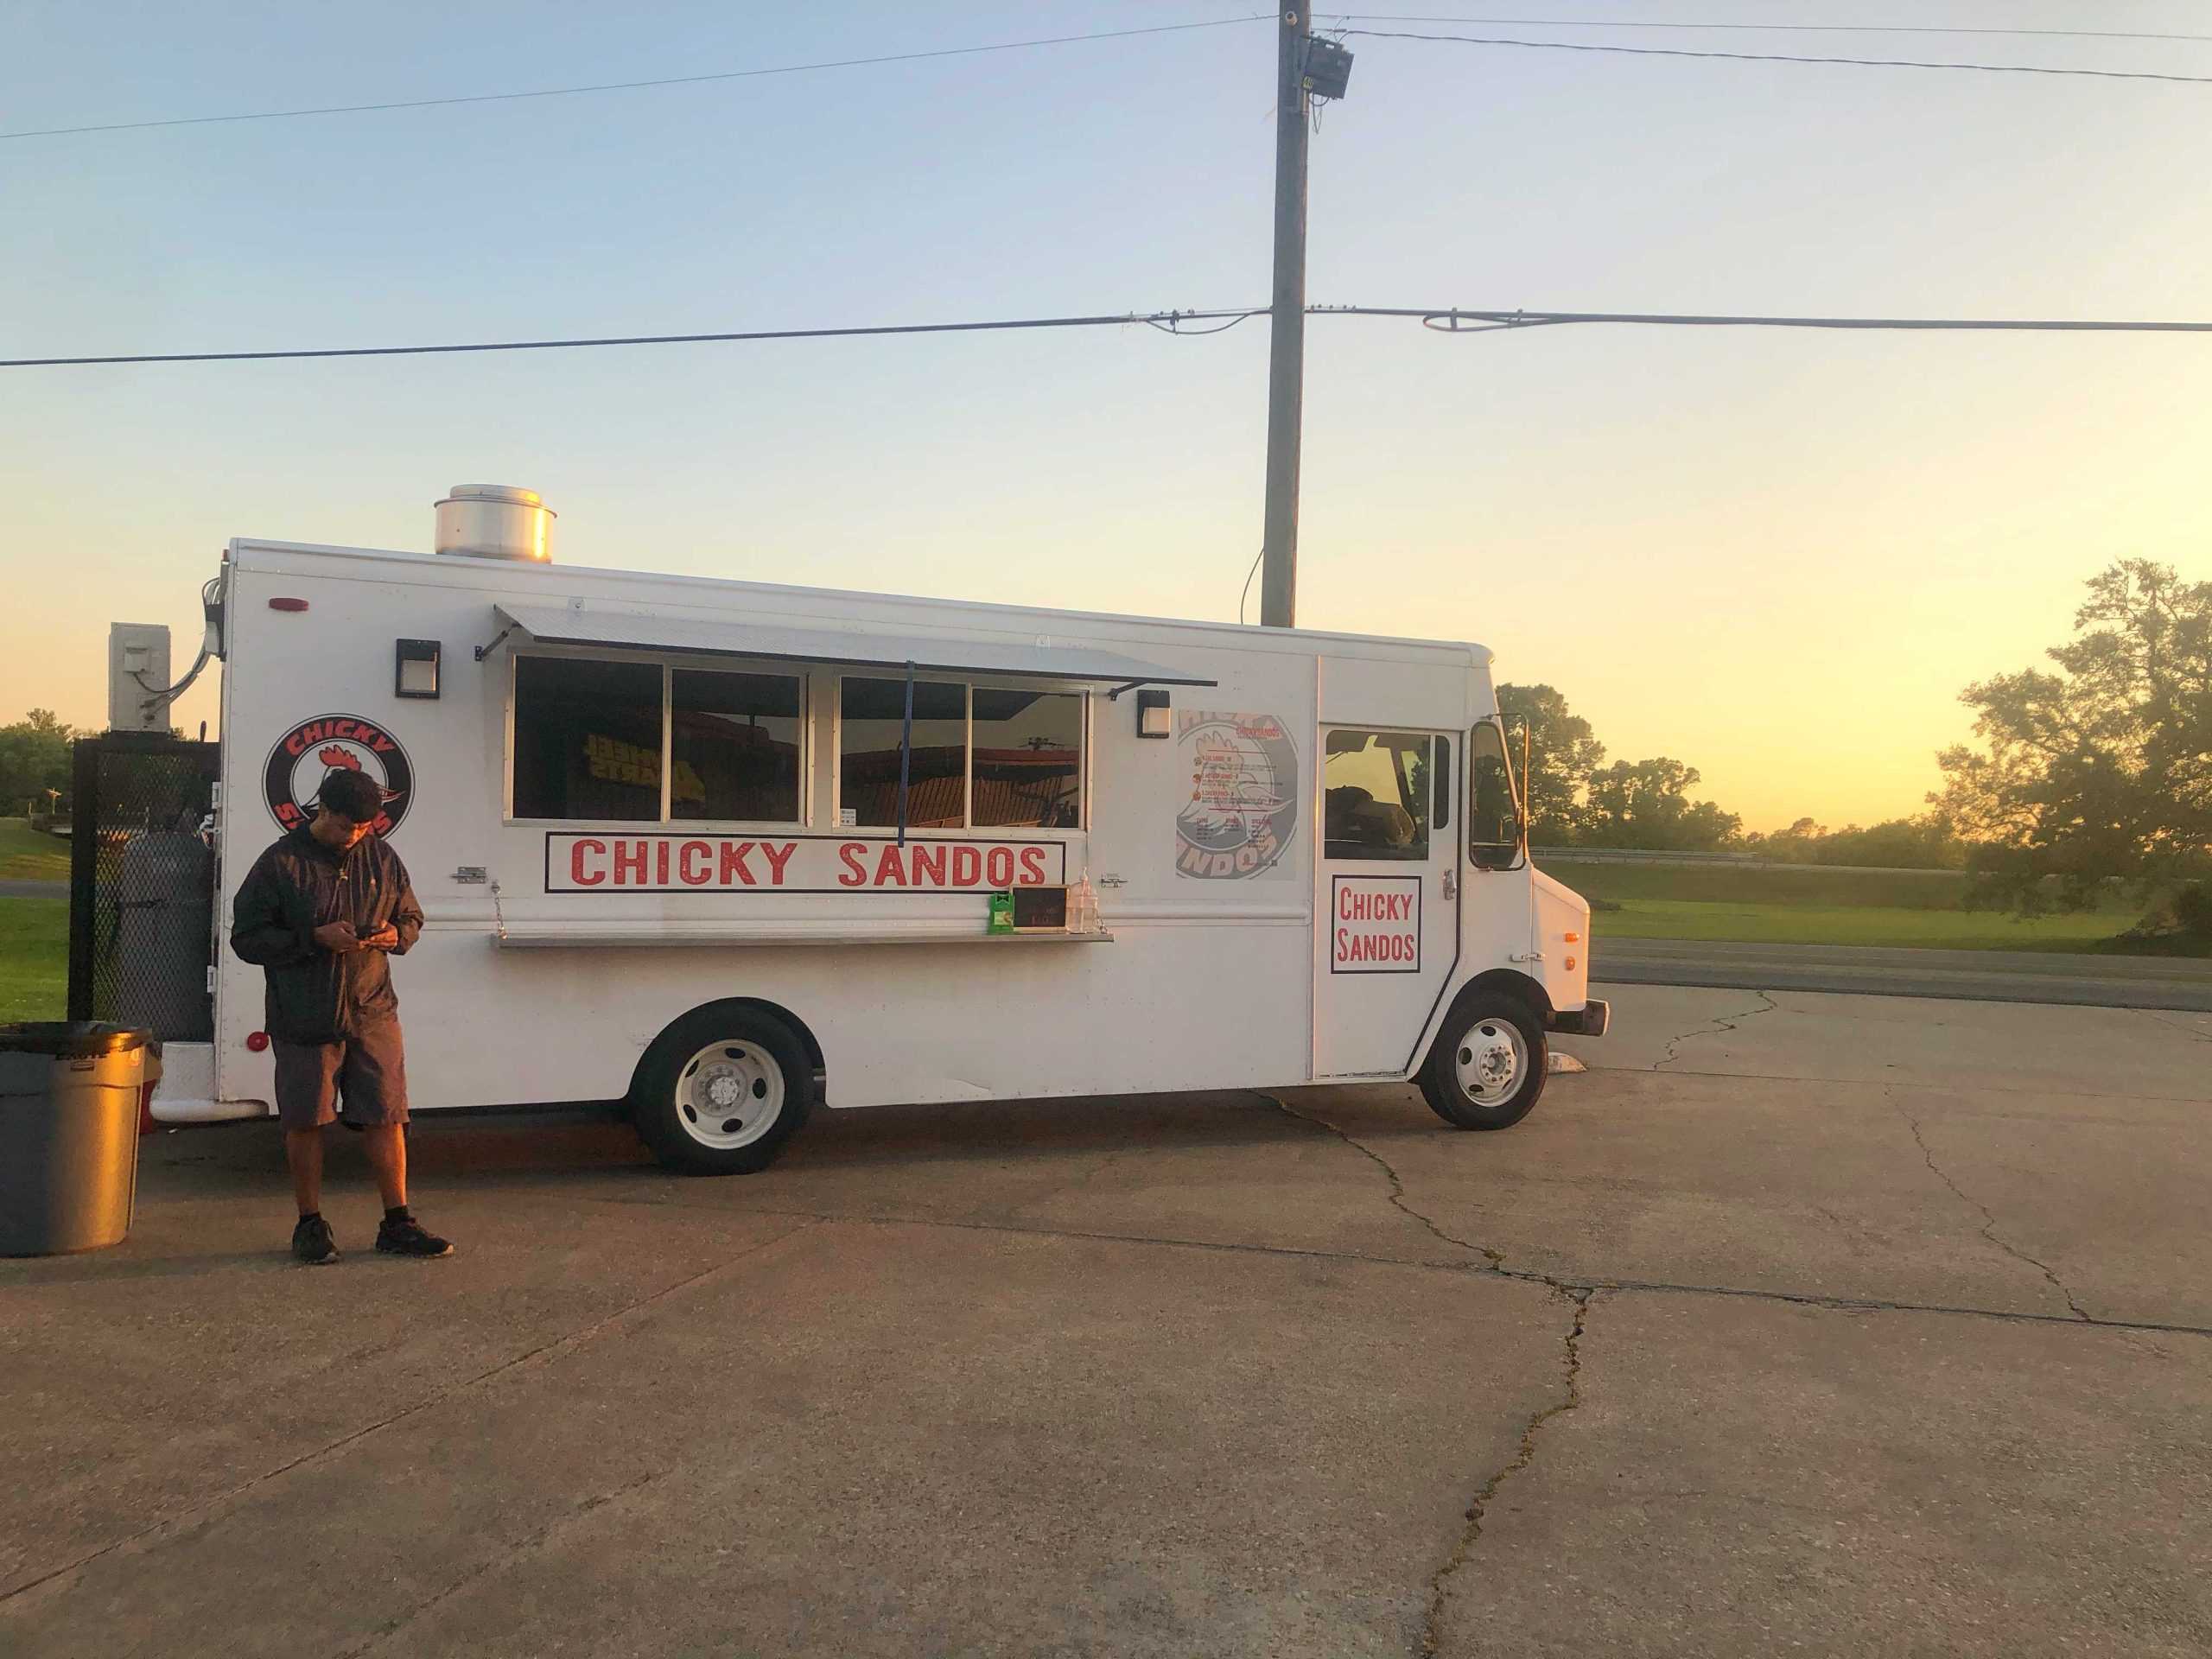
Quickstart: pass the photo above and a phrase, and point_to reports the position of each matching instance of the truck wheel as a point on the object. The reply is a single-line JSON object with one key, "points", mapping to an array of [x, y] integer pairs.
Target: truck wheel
{"points": [[1487, 1065], [721, 1090]]}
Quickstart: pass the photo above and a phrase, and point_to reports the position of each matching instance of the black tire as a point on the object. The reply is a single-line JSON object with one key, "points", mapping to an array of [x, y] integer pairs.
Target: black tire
{"points": [[1486, 1020], [761, 1060]]}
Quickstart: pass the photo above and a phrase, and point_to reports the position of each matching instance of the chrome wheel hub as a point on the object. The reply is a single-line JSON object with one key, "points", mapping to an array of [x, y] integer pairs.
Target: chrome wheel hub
{"points": [[1491, 1060]]}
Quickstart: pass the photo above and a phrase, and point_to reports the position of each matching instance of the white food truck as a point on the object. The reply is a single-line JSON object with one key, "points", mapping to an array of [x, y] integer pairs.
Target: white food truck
{"points": [[723, 852]]}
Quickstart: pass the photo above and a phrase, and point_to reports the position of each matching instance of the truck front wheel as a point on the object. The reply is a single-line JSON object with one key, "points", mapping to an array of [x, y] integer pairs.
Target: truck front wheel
{"points": [[1487, 1065], [721, 1090]]}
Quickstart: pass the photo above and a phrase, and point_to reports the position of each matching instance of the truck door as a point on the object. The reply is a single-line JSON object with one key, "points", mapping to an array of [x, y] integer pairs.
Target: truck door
{"points": [[1387, 897]]}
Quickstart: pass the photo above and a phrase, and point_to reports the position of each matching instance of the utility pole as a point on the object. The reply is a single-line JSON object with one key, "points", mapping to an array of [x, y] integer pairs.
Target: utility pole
{"points": [[1286, 324]]}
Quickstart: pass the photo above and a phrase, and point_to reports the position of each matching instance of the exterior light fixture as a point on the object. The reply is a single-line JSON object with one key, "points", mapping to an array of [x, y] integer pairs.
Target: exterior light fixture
{"points": [[1152, 714], [414, 669]]}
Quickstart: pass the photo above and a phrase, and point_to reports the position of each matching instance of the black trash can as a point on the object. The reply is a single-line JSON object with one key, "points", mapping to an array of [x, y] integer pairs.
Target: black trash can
{"points": [[69, 1094]]}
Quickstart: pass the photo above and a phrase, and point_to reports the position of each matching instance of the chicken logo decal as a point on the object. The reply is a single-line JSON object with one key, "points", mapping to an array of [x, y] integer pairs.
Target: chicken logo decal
{"points": [[1242, 809], [313, 749]]}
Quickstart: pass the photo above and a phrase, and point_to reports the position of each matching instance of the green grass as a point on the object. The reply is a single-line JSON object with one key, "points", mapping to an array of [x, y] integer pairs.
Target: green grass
{"points": [[1816, 905], [1876, 925], [27, 855], [1785, 884], [34, 959]]}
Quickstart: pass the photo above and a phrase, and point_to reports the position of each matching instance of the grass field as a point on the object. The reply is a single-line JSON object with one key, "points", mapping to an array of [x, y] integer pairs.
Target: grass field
{"points": [[34, 959], [1877, 925], [1810, 904], [27, 855]]}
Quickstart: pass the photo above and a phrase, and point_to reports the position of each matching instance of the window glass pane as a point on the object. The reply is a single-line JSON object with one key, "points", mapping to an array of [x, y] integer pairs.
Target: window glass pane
{"points": [[869, 712], [1376, 795], [1493, 817], [1027, 762], [587, 739], [1440, 789], [735, 741]]}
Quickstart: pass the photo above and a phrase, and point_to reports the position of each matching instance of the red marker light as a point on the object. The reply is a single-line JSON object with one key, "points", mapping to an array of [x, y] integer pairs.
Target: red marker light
{"points": [[288, 604], [257, 1040]]}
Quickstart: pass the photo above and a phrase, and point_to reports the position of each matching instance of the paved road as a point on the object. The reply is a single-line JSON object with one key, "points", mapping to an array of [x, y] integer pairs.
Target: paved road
{"points": [[2181, 984], [1828, 1324], [34, 889]]}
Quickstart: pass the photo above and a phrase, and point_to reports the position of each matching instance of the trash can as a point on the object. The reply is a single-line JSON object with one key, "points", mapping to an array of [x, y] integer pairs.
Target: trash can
{"points": [[69, 1097]]}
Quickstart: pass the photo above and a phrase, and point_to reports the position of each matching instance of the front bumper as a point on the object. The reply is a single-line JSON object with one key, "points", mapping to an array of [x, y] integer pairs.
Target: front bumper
{"points": [[1588, 1020]]}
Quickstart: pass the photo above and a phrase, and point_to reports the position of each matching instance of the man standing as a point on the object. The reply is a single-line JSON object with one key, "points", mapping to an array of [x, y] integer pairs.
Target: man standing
{"points": [[319, 912]]}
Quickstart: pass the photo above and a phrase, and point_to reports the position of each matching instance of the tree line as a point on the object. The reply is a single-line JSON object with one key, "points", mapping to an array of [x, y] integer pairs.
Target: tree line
{"points": [[2100, 770], [35, 762], [1576, 800]]}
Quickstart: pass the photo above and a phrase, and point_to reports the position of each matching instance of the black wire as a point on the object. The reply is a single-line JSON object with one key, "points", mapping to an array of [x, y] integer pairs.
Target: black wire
{"points": [[632, 86], [1794, 29], [1444, 319], [1249, 575], [1169, 327], [1000, 324], [1779, 57]]}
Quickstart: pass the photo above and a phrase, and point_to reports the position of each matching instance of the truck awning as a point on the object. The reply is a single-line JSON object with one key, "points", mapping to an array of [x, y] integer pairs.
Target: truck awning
{"points": [[777, 642]]}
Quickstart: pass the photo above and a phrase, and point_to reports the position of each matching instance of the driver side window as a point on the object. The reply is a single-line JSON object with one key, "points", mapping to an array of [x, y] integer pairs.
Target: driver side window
{"points": [[1493, 805], [1375, 795]]}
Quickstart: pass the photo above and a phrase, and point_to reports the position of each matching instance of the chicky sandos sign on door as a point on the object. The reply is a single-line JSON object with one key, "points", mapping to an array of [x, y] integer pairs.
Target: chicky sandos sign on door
{"points": [[1374, 924]]}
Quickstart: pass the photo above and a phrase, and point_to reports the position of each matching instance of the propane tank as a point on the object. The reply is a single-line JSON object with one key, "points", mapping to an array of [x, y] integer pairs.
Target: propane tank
{"points": [[166, 905]]}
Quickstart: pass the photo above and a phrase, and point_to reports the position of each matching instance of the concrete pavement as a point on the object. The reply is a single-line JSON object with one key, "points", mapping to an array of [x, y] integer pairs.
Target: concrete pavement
{"points": [[2182, 983], [1855, 1325]]}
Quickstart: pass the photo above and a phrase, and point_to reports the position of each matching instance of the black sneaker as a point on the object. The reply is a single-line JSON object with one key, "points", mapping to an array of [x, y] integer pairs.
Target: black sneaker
{"points": [[406, 1238], [312, 1243]]}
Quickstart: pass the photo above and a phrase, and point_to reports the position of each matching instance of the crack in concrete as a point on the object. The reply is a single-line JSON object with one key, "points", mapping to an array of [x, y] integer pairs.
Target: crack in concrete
{"points": [[1988, 1228], [1525, 1454], [574, 1339], [1559, 1282], [1856, 1304], [1397, 1193], [1723, 1022], [2187, 1030], [533, 1540]]}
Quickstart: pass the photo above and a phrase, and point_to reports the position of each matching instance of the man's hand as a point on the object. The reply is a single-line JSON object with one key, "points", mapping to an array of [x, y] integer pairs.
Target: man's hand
{"points": [[337, 938], [384, 939]]}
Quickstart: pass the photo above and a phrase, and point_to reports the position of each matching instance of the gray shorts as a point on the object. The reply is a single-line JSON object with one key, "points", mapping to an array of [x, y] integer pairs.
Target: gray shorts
{"points": [[368, 1070]]}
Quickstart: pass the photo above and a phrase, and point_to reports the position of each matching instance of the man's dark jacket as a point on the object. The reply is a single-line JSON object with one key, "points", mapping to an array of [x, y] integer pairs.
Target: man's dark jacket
{"points": [[298, 885]]}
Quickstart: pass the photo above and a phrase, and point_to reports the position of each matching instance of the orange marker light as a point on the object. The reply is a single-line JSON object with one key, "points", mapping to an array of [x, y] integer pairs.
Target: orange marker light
{"points": [[1574, 938], [1570, 964]]}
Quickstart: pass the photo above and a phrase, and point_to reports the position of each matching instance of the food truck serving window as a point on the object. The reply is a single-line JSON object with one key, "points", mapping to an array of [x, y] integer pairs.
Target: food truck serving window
{"points": [[735, 739], [979, 756], [600, 740]]}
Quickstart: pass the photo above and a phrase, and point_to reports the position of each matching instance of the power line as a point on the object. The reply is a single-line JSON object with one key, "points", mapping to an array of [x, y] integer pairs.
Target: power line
{"points": [[1443, 319], [1794, 29], [1165, 319], [1461, 321], [633, 86], [1780, 57]]}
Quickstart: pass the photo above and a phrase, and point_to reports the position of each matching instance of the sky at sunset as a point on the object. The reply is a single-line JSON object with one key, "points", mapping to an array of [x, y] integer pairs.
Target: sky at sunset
{"points": [[1775, 555]]}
